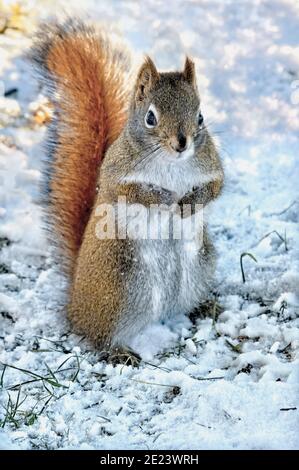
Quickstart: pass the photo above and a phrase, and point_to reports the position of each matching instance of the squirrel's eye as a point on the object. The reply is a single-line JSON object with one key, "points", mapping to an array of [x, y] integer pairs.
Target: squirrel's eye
{"points": [[200, 119], [150, 118]]}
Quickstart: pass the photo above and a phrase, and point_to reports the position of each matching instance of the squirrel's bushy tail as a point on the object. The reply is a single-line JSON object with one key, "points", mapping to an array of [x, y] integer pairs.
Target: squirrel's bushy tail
{"points": [[84, 80]]}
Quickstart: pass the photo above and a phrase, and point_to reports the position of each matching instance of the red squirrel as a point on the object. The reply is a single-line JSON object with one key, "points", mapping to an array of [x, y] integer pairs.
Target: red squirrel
{"points": [[146, 144]]}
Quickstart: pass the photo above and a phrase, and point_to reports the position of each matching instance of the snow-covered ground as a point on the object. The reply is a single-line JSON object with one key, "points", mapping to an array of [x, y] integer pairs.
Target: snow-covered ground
{"points": [[228, 382]]}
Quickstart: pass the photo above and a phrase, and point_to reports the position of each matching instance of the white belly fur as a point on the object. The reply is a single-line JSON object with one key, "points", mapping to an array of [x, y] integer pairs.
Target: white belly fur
{"points": [[175, 277], [178, 176]]}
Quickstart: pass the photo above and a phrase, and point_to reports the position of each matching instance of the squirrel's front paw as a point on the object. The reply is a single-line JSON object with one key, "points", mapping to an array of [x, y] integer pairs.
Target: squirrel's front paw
{"points": [[187, 204], [192, 196], [167, 197]]}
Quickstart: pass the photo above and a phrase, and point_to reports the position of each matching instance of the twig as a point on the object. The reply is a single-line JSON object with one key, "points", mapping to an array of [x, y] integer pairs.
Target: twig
{"points": [[153, 383], [241, 263], [284, 240], [2, 376], [10, 92], [247, 207], [165, 369], [206, 378], [285, 210]]}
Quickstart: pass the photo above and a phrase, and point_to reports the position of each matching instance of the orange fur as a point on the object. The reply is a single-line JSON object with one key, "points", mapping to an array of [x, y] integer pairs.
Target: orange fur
{"points": [[90, 114]]}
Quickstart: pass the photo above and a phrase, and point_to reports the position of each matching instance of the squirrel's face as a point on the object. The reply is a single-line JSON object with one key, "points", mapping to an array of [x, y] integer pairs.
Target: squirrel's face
{"points": [[166, 116]]}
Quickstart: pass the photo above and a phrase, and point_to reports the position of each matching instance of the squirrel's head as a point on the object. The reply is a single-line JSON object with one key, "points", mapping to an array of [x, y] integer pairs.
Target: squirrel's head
{"points": [[165, 111]]}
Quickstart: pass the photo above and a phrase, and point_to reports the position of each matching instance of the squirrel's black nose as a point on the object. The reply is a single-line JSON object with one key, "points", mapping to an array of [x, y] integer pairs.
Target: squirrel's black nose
{"points": [[182, 141]]}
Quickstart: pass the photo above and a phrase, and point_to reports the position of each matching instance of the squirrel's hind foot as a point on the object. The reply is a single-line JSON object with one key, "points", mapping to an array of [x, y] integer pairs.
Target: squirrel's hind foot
{"points": [[209, 308], [121, 355]]}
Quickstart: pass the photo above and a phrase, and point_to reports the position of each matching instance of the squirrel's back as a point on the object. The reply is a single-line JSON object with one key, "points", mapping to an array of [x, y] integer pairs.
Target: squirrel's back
{"points": [[83, 77]]}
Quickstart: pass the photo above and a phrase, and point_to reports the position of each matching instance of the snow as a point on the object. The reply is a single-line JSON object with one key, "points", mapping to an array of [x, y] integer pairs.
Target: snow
{"points": [[230, 382]]}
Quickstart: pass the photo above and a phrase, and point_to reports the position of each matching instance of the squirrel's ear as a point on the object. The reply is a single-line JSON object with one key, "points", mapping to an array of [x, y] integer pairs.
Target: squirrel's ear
{"points": [[189, 71], [147, 76]]}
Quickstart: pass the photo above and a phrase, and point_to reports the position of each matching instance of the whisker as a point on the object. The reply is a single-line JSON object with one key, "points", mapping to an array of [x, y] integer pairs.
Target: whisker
{"points": [[144, 157]]}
